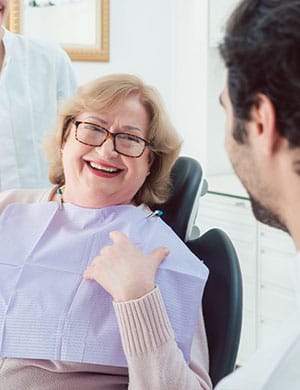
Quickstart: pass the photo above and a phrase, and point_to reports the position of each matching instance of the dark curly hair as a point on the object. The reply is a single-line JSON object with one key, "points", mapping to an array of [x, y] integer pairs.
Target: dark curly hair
{"points": [[261, 52]]}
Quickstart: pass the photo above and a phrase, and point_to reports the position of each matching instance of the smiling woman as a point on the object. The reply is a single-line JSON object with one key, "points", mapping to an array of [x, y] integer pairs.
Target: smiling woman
{"points": [[102, 175], [85, 293], [80, 26], [122, 105]]}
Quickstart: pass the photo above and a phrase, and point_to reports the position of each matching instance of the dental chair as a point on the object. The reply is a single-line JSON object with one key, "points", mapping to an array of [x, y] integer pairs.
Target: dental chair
{"points": [[222, 299], [180, 210]]}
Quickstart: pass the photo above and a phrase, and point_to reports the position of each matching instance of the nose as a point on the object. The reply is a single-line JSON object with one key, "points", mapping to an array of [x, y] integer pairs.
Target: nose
{"points": [[108, 136], [107, 146]]}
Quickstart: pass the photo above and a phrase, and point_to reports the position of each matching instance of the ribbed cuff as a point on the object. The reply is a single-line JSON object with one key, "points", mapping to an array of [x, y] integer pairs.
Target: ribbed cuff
{"points": [[144, 323]]}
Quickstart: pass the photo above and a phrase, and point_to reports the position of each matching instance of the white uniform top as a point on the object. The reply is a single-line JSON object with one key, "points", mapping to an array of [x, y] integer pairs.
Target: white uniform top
{"points": [[34, 77], [275, 366]]}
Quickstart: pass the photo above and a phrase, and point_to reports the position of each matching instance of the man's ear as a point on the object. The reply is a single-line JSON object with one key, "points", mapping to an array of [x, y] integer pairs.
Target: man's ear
{"points": [[263, 123]]}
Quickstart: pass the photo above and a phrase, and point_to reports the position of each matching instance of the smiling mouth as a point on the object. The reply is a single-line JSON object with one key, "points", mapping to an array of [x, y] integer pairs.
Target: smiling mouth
{"points": [[101, 168]]}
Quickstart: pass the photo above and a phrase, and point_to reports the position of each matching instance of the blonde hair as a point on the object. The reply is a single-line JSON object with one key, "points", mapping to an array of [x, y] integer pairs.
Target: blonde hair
{"points": [[103, 93]]}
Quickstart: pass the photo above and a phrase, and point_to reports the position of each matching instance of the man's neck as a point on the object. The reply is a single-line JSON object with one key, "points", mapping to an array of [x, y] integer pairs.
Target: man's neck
{"points": [[291, 215], [286, 190]]}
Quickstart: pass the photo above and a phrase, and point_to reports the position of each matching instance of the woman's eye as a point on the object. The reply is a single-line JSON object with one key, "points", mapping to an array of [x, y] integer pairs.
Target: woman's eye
{"points": [[94, 128], [129, 137]]}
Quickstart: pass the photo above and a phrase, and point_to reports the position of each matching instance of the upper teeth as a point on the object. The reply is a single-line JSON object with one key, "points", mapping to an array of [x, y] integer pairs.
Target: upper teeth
{"points": [[96, 166]]}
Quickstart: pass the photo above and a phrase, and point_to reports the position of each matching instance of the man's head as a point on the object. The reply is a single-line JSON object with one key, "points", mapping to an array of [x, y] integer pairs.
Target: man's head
{"points": [[262, 97]]}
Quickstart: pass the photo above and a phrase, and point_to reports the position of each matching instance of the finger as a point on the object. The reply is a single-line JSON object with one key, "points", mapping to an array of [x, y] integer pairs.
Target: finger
{"points": [[159, 254], [87, 275], [118, 236], [96, 260], [105, 251]]}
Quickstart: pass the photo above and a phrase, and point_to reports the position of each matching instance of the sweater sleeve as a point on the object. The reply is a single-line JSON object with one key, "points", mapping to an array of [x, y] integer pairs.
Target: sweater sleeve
{"points": [[154, 359], [25, 196]]}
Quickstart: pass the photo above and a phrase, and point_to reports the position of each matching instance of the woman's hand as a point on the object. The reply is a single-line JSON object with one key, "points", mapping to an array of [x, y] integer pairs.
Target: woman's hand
{"points": [[123, 270]]}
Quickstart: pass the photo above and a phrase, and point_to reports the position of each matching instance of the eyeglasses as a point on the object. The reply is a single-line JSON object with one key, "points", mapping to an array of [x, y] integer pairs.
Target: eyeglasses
{"points": [[94, 135]]}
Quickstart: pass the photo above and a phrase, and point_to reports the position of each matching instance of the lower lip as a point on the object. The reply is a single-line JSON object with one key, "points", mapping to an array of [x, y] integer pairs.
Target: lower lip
{"points": [[104, 174]]}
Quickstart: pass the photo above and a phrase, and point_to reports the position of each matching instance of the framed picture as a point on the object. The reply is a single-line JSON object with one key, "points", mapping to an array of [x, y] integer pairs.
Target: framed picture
{"points": [[81, 27]]}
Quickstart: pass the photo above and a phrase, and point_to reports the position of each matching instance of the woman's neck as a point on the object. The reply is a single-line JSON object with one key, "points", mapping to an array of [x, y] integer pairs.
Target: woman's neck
{"points": [[89, 200]]}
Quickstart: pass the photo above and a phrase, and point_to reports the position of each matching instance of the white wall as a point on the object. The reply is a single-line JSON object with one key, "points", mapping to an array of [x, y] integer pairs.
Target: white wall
{"points": [[217, 161], [141, 34], [171, 44], [162, 42]]}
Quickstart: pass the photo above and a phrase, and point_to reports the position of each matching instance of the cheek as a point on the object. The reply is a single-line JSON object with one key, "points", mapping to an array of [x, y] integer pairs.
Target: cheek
{"points": [[227, 139], [74, 149], [141, 164], [231, 149], [139, 170], [72, 156], [147, 164]]}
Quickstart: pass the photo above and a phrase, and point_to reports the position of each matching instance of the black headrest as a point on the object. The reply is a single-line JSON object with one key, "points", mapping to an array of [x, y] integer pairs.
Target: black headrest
{"points": [[186, 177]]}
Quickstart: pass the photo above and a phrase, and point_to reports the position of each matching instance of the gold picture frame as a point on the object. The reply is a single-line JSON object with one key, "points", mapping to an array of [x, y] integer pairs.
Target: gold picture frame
{"points": [[97, 51]]}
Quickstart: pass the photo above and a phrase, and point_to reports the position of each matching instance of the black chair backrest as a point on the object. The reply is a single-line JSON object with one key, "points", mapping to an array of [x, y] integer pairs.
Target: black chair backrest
{"points": [[186, 177], [222, 300]]}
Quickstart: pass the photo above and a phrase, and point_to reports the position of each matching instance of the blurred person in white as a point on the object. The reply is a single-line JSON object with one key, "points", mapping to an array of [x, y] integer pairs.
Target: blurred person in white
{"points": [[34, 76], [262, 105]]}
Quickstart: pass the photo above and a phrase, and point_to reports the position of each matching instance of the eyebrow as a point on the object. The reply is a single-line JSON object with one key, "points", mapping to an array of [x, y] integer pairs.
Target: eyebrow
{"points": [[105, 124], [96, 118], [131, 127]]}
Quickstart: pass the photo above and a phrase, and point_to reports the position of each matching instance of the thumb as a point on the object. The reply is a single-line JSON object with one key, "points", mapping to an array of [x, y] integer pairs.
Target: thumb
{"points": [[159, 254], [87, 275]]}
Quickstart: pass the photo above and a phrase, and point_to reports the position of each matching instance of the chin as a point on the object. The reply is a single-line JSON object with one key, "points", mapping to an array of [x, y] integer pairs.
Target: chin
{"points": [[265, 215]]}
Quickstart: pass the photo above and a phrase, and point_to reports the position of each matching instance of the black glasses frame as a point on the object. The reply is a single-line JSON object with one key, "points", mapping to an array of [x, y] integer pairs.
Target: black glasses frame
{"points": [[108, 136]]}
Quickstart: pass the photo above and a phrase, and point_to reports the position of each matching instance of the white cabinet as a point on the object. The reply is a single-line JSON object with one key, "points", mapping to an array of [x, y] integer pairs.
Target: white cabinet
{"points": [[265, 255], [234, 216], [275, 268]]}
